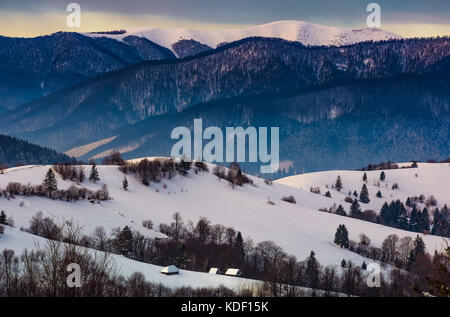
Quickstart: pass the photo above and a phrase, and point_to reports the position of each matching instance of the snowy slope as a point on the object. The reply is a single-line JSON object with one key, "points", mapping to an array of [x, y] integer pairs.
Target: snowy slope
{"points": [[304, 32], [18, 241], [297, 228], [428, 179]]}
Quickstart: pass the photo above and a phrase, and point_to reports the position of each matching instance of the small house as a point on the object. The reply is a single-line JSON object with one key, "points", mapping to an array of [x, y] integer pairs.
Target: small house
{"points": [[170, 270], [214, 270], [233, 272]]}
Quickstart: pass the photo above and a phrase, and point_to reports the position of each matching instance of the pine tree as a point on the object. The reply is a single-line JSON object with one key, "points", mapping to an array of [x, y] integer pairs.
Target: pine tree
{"points": [[408, 202], [341, 236], [124, 240], [364, 195], [379, 194], [93, 177], [239, 246], [364, 177], [341, 211], [418, 249], [436, 222], [184, 166], [125, 183], [50, 183], [382, 176], [414, 222], [338, 184], [385, 215], [312, 271], [364, 265], [424, 221], [3, 218], [403, 220], [355, 211]]}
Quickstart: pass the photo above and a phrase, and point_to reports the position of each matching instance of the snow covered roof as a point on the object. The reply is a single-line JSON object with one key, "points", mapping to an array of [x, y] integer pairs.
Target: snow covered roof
{"points": [[171, 269], [214, 270], [233, 272]]}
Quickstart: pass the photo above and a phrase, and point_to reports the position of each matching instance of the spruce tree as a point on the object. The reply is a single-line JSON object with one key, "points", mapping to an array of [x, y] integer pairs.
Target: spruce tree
{"points": [[125, 183], [364, 265], [341, 211], [124, 240], [93, 177], [341, 236], [312, 271], [385, 214], [418, 249], [338, 184], [364, 195], [343, 263], [355, 194], [436, 222], [382, 176], [355, 211], [184, 166], [403, 220], [50, 183], [364, 177], [424, 221], [239, 246], [3, 218], [379, 194], [414, 222]]}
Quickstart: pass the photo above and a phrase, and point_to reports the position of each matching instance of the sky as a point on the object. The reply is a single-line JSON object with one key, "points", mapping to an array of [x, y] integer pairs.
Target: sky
{"points": [[409, 18]]}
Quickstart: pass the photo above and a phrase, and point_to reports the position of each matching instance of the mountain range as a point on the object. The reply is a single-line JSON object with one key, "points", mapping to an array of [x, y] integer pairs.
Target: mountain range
{"points": [[354, 102], [309, 34]]}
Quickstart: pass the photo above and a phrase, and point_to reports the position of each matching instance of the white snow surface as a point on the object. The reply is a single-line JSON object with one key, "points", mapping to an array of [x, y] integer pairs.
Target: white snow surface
{"points": [[301, 31], [297, 228], [18, 241], [428, 179]]}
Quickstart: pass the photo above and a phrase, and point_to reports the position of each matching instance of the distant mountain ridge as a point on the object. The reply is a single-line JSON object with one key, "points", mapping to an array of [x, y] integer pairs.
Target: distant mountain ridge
{"points": [[14, 151], [249, 67], [299, 31], [34, 67], [31, 68]]}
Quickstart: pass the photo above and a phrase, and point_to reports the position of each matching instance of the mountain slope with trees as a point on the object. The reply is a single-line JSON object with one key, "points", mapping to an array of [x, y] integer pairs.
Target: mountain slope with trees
{"points": [[14, 151]]}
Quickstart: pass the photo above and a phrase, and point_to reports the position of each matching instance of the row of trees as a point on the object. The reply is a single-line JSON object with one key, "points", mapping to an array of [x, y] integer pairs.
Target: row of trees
{"points": [[75, 173], [153, 171], [396, 215], [204, 245], [43, 272], [234, 175], [73, 193]]}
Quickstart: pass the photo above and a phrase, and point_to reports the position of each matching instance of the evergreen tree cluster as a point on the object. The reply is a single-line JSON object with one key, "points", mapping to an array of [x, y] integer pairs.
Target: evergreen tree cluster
{"points": [[341, 236], [14, 151], [441, 220], [94, 176]]}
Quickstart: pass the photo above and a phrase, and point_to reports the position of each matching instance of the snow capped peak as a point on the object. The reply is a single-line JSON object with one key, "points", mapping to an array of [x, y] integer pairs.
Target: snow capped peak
{"points": [[304, 32]]}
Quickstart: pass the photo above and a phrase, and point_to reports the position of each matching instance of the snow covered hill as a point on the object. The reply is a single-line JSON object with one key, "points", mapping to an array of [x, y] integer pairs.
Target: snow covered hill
{"points": [[429, 179], [297, 228], [18, 241], [304, 32]]}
